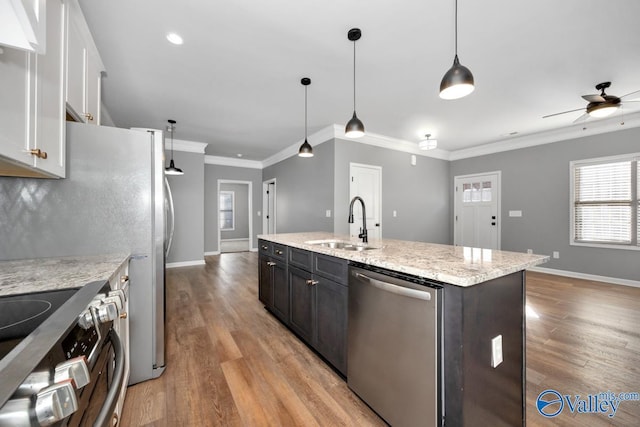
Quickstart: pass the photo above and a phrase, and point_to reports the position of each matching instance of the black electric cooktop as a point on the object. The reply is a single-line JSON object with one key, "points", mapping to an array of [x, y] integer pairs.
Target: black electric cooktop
{"points": [[22, 314]]}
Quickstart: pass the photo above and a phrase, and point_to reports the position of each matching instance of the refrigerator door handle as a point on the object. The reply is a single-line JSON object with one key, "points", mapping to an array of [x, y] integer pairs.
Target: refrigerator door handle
{"points": [[171, 217]]}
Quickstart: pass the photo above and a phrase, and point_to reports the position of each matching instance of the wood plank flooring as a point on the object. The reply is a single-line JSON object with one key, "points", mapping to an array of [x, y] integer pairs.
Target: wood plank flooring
{"points": [[230, 363]]}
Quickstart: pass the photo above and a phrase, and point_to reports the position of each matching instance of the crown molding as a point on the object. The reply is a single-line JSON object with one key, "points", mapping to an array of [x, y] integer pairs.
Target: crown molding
{"points": [[610, 124], [315, 139], [389, 143], [232, 161], [186, 146]]}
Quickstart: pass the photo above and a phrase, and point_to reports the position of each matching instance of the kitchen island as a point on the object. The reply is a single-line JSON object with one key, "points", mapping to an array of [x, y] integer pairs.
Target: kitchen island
{"points": [[304, 282]]}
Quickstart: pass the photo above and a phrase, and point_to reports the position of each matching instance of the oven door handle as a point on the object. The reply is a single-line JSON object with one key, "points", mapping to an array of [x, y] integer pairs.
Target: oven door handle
{"points": [[104, 417]]}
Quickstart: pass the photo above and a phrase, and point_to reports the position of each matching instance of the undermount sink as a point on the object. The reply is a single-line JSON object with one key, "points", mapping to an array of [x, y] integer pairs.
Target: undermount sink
{"points": [[339, 244]]}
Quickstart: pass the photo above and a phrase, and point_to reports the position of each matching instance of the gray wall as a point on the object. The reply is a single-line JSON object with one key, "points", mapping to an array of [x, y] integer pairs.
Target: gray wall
{"points": [[420, 194], [241, 212], [536, 181], [188, 199], [212, 173], [304, 191]]}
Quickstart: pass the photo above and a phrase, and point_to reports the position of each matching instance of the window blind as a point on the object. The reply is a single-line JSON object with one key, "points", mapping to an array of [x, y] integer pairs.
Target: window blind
{"points": [[604, 202]]}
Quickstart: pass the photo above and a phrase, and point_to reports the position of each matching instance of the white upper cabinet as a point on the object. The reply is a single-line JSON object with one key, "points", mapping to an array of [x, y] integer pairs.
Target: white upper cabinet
{"points": [[23, 24], [84, 69], [32, 141], [39, 91]]}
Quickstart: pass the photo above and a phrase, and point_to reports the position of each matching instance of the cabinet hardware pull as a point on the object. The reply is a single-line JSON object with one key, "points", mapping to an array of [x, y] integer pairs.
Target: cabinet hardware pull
{"points": [[89, 116], [312, 282], [123, 315], [271, 263], [124, 279], [278, 252], [38, 153], [264, 247]]}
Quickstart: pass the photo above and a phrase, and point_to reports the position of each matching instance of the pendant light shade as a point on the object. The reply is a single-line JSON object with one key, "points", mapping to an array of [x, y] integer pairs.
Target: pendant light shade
{"points": [[458, 80], [172, 169], [355, 127], [305, 149]]}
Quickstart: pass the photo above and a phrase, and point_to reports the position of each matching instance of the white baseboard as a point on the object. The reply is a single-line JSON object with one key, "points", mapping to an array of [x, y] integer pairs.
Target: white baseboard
{"points": [[212, 253], [185, 263], [253, 250], [243, 239], [576, 275]]}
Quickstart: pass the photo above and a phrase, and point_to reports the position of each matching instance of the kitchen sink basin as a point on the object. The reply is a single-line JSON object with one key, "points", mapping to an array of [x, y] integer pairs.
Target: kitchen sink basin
{"points": [[344, 245]]}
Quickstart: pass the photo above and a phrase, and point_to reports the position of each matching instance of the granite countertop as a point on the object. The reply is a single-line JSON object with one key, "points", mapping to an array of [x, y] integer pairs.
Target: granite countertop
{"points": [[458, 265], [47, 274]]}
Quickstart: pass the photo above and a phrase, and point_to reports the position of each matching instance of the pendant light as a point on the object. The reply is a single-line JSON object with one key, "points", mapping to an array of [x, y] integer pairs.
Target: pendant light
{"points": [[354, 128], [172, 169], [458, 81], [305, 149]]}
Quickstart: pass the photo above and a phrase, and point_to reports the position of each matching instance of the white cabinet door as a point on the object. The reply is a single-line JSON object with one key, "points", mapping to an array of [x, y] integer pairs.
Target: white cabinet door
{"points": [[75, 67], [16, 106], [92, 97], [50, 113], [83, 68], [23, 24]]}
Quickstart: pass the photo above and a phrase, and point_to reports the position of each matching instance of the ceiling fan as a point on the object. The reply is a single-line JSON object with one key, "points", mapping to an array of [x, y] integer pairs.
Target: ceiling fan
{"points": [[600, 105]]}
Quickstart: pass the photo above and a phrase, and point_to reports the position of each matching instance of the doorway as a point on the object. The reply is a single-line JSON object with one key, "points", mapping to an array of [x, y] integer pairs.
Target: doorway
{"points": [[235, 228], [269, 206], [366, 181], [476, 210]]}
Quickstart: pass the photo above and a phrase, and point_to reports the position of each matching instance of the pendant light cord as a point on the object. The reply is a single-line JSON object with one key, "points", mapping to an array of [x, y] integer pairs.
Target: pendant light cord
{"points": [[354, 75], [456, 27], [172, 129], [305, 113]]}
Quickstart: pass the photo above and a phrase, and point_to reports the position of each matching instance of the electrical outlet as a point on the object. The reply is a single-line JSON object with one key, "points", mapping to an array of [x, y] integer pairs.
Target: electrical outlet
{"points": [[328, 213], [529, 251], [496, 351], [556, 254], [258, 213], [395, 214]]}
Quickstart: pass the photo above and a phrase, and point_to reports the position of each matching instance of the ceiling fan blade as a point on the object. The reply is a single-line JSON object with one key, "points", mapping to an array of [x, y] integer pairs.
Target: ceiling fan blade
{"points": [[564, 112], [582, 118], [593, 98], [637, 93]]}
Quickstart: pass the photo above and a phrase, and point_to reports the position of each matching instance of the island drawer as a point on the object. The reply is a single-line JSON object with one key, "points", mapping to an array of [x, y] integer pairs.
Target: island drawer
{"points": [[332, 268], [301, 259], [271, 249]]}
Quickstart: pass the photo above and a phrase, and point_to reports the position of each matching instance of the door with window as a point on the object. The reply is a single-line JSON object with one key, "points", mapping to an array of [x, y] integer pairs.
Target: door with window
{"points": [[477, 206]]}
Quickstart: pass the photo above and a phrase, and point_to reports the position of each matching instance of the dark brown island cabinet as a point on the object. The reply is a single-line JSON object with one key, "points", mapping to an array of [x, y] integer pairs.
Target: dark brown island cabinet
{"points": [[308, 292]]}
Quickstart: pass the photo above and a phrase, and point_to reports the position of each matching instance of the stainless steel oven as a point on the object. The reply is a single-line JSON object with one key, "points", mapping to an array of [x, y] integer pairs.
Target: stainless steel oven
{"points": [[61, 361]]}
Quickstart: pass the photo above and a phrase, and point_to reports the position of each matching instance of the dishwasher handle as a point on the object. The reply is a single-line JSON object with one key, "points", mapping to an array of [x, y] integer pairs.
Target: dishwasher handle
{"points": [[395, 289]]}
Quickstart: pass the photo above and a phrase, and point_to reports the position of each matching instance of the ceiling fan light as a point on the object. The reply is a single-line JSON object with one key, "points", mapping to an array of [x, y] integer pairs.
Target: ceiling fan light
{"points": [[354, 128], [305, 149], [602, 110], [457, 81]]}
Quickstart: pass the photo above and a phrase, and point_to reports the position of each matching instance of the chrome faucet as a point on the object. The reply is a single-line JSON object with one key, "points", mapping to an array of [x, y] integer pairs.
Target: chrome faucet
{"points": [[363, 229]]}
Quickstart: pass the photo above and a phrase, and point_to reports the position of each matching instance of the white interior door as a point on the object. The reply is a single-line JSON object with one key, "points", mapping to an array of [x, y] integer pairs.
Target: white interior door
{"points": [[269, 207], [477, 205], [366, 182]]}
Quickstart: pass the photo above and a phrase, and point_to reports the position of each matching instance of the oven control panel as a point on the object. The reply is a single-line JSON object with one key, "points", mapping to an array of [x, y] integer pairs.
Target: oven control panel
{"points": [[80, 342]]}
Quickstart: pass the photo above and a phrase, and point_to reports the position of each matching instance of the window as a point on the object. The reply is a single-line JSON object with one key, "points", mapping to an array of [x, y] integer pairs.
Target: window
{"points": [[604, 202], [227, 208]]}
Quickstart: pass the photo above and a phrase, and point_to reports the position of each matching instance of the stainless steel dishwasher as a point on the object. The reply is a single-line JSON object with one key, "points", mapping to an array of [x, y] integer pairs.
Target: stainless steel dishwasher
{"points": [[393, 353]]}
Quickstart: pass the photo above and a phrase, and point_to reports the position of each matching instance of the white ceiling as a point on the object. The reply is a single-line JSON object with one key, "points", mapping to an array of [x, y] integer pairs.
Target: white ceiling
{"points": [[235, 82]]}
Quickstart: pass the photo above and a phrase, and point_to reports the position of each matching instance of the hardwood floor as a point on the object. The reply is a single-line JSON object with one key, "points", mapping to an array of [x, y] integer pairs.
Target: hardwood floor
{"points": [[231, 363]]}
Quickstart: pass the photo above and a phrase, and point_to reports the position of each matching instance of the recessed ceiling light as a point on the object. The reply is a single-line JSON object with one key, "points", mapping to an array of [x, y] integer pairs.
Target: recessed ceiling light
{"points": [[174, 38]]}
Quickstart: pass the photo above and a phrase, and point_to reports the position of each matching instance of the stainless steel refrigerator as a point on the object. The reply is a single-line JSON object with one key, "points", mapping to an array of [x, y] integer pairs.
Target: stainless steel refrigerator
{"points": [[115, 199]]}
